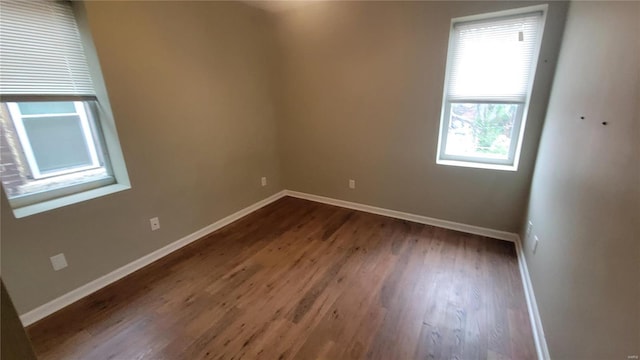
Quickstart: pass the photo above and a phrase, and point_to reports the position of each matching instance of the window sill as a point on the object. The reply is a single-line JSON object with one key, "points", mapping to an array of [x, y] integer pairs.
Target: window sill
{"points": [[68, 200], [477, 165]]}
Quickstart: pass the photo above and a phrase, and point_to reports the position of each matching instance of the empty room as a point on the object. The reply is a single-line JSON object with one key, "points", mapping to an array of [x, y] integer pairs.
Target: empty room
{"points": [[320, 179]]}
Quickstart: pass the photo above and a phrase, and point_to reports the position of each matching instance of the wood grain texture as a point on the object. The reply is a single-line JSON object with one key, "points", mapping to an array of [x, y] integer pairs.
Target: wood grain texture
{"points": [[303, 280]]}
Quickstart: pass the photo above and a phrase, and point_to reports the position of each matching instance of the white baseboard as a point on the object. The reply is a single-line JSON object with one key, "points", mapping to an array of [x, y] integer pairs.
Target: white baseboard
{"points": [[471, 229], [534, 315], [97, 284]]}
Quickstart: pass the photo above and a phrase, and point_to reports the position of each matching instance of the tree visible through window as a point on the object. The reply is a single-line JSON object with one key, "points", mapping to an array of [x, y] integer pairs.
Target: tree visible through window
{"points": [[490, 70], [481, 129]]}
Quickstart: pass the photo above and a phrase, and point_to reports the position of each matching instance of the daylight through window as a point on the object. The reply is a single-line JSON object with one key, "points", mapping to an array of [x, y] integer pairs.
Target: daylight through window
{"points": [[51, 143], [490, 69]]}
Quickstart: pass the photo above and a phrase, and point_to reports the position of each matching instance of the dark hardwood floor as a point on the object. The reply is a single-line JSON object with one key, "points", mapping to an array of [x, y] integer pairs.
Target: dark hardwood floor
{"points": [[302, 280]]}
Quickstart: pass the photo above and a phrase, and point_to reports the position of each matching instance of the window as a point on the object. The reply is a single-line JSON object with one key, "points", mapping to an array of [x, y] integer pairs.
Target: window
{"points": [[58, 143], [37, 123], [490, 70]]}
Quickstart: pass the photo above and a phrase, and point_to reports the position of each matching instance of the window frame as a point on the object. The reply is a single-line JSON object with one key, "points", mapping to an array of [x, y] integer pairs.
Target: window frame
{"points": [[515, 146], [18, 120], [101, 120]]}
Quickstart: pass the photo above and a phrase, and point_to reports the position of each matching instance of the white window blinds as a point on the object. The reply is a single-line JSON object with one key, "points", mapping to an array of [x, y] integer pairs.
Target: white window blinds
{"points": [[492, 59], [41, 51]]}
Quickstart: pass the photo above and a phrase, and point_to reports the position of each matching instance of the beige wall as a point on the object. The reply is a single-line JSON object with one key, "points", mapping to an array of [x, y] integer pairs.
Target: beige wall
{"points": [[362, 90], [206, 102], [585, 197], [191, 89]]}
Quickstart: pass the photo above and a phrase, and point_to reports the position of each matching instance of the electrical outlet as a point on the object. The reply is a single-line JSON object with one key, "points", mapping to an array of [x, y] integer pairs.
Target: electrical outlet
{"points": [[263, 181], [352, 184], [155, 223], [58, 262], [529, 229], [534, 246]]}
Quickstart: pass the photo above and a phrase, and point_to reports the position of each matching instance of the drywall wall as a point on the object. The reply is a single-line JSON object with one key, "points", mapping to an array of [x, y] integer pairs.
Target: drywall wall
{"points": [[585, 195], [190, 86], [362, 90]]}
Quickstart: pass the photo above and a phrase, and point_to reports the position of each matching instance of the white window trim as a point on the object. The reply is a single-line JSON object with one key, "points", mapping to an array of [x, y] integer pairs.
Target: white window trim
{"points": [[114, 181], [513, 159], [17, 117], [119, 179], [43, 196], [472, 159], [101, 190]]}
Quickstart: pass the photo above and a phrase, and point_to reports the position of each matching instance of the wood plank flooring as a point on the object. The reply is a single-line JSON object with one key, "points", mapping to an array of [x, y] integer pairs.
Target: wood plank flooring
{"points": [[302, 280]]}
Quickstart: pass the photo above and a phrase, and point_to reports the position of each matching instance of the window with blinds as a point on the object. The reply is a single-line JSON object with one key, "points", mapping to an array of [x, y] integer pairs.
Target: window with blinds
{"points": [[51, 141], [41, 49], [490, 70]]}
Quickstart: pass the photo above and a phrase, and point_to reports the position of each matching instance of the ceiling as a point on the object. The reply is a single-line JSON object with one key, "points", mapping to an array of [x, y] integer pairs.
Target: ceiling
{"points": [[276, 6]]}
